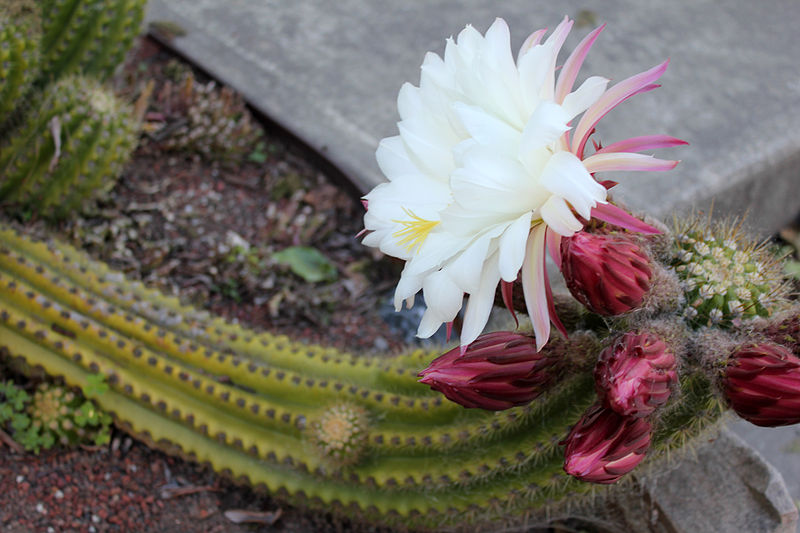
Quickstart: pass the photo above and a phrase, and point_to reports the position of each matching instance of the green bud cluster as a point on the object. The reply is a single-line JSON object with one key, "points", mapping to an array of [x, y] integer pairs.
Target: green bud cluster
{"points": [[53, 416], [70, 149], [62, 417], [724, 278], [87, 36], [20, 32]]}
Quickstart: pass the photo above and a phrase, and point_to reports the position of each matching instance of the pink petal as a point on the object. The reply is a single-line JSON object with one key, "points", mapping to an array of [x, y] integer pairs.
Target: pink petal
{"points": [[566, 78], [554, 246], [533, 280], [625, 161], [449, 330], [640, 144], [612, 98], [550, 237], [558, 37], [532, 40], [619, 217], [560, 34], [507, 290]]}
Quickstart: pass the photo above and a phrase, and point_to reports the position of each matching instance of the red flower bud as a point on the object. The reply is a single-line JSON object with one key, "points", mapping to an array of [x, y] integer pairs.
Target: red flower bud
{"points": [[609, 274], [604, 445], [634, 375], [762, 384], [498, 370]]}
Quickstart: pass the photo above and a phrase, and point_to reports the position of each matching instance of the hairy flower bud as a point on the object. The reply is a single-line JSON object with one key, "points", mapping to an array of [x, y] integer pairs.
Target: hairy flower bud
{"points": [[604, 445], [762, 384], [635, 374], [785, 330], [498, 371], [608, 273]]}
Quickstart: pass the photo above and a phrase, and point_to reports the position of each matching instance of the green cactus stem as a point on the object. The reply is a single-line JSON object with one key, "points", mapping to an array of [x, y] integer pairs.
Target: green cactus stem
{"points": [[346, 433], [20, 32], [87, 36], [69, 150]]}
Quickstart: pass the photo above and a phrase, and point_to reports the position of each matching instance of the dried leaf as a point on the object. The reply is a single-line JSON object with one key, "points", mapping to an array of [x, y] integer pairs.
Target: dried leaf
{"points": [[241, 516]]}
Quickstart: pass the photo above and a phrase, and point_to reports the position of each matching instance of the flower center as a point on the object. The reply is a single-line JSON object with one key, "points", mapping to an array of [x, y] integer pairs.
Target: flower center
{"points": [[414, 231]]}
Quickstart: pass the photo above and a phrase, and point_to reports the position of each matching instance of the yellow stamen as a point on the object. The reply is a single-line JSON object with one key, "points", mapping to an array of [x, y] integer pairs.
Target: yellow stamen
{"points": [[414, 231]]}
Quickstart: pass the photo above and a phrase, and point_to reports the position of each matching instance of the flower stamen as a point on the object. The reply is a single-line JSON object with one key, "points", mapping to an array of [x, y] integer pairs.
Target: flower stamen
{"points": [[414, 231]]}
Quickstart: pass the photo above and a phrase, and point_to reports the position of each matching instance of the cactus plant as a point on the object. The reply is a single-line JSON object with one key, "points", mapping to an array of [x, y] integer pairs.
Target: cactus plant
{"points": [[69, 150], [724, 277], [254, 405], [20, 32], [213, 121], [87, 36], [61, 416]]}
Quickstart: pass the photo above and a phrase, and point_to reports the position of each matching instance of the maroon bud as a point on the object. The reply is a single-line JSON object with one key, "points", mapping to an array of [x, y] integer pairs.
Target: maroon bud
{"points": [[762, 384], [608, 273], [634, 376], [498, 371], [604, 445]]}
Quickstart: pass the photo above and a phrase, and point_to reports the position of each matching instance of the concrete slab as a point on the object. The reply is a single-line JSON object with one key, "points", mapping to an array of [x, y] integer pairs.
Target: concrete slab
{"points": [[329, 72]]}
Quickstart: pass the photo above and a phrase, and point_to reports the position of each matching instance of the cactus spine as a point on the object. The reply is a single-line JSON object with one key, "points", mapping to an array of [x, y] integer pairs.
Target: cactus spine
{"points": [[89, 37], [20, 32], [261, 408], [70, 149]]}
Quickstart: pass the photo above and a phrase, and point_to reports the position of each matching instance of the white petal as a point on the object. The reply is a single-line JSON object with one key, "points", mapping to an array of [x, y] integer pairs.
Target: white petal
{"points": [[442, 296], [489, 182], [480, 302], [406, 288], [466, 269], [533, 285], [393, 158], [558, 216], [426, 149], [584, 96], [544, 127], [512, 247], [434, 73], [565, 176], [429, 324], [486, 128], [438, 248], [533, 68], [409, 102]]}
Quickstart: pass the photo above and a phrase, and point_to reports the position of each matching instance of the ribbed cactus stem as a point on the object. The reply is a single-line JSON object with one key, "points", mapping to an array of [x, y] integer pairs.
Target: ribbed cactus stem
{"points": [[69, 149], [20, 32], [88, 36], [194, 386]]}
